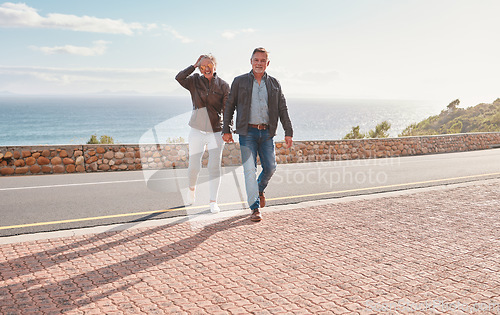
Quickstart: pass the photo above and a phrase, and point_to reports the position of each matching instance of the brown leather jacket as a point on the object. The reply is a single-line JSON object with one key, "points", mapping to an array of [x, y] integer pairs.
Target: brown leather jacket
{"points": [[208, 99]]}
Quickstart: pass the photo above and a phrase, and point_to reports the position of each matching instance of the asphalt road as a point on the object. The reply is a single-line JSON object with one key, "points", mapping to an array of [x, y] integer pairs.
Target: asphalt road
{"points": [[54, 202]]}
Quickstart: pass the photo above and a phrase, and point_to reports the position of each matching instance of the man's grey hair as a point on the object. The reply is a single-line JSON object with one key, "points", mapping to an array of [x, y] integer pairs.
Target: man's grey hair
{"points": [[262, 50]]}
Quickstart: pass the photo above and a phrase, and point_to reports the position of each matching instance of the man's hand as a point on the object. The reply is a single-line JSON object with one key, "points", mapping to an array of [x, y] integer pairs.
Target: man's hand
{"points": [[288, 141], [227, 137]]}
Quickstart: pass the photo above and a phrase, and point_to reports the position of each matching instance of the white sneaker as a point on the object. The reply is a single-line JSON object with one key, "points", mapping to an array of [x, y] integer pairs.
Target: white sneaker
{"points": [[214, 207], [190, 197]]}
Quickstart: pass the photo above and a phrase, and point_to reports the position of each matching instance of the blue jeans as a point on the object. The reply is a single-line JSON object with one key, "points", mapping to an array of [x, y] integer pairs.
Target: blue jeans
{"points": [[257, 142]]}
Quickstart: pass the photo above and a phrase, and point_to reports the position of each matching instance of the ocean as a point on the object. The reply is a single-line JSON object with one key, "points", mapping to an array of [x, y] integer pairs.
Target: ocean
{"points": [[51, 120]]}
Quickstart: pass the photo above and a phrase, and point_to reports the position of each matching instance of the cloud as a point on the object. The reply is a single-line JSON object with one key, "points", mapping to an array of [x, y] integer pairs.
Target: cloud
{"points": [[177, 35], [97, 72], [232, 34], [47, 80], [21, 15], [98, 49]]}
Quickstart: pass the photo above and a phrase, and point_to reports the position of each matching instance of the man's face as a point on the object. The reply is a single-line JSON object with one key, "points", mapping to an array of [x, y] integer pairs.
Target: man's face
{"points": [[259, 62], [207, 68]]}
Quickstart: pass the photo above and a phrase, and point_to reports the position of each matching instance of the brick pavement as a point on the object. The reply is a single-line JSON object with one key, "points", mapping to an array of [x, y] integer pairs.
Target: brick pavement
{"points": [[427, 252]]}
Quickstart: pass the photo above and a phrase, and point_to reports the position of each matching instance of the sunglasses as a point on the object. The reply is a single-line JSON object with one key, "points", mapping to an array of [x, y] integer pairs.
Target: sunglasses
{"points": [[203, 68]]}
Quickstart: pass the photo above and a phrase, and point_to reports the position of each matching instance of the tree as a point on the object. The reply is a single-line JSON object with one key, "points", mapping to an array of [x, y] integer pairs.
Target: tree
{"points": [[453, 105], [380, 130], [354, 134]]}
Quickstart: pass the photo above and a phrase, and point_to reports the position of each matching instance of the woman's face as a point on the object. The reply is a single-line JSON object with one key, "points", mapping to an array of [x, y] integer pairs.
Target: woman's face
{"points": [[207, 68]]}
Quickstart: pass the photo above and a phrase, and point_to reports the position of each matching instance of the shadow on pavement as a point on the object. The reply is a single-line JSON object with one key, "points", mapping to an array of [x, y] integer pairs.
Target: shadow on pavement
{"points": [[71, 292]]}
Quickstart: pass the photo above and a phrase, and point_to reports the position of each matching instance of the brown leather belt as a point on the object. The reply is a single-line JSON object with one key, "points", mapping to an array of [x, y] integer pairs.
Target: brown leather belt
{"points": [[260, 127]]}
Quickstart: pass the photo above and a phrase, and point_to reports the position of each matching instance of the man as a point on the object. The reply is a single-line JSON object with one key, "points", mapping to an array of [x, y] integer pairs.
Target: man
{"points": [[259, 102]]}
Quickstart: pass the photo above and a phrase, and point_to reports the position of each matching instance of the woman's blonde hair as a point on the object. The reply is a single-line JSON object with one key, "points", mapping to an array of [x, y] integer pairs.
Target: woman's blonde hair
{"points": [[211, 58]]}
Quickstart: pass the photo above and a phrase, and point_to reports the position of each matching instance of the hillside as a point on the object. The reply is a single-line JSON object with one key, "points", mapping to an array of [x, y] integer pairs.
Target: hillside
{"points": [[480, 118]]}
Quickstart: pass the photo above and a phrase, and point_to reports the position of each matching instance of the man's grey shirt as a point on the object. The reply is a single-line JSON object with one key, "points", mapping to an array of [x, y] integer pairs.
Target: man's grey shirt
{"points": [[259, 111]]}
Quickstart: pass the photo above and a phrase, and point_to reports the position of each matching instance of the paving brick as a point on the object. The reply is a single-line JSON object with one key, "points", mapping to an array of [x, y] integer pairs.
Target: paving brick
{"points": [[364, 256]]}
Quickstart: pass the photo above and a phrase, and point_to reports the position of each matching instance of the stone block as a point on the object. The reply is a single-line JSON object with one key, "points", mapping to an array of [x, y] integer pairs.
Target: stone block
{"points": [[7, 171], [35, 169], [42, 160], [104, 167], [80, 168], [80, 160], [59, 169], [19, 163], [68, 161], [22, 170], [109, 155], [93, 159], [56, 160]]}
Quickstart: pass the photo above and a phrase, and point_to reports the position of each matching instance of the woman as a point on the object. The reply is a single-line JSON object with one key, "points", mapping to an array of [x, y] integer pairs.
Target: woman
{"points": [[208, 94]]}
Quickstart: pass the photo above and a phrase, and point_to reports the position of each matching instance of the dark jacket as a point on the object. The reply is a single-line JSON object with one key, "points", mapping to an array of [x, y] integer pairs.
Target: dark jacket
{"points": [[240, 99], [208, 99]]}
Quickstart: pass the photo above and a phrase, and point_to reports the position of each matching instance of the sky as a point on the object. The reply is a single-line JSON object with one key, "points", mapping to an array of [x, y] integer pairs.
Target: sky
{"points": [[377, 49]]}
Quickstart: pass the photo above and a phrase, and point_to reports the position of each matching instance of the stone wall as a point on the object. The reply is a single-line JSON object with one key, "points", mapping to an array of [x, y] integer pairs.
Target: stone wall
{"points": [[31, 160]]}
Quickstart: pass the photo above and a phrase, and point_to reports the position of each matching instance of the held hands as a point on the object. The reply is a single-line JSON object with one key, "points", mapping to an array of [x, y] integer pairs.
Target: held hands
{"points": [[228, 138]]}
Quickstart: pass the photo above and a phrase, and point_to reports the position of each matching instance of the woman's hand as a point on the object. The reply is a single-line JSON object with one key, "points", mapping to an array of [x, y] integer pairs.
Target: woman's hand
{"points": [[197, 63]]}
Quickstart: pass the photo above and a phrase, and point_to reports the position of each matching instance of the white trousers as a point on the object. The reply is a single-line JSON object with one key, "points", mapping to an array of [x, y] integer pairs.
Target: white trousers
{"points": [[214, 144]]}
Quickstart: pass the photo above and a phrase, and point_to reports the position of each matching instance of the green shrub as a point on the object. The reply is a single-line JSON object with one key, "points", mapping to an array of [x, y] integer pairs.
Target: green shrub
{"points": [[103, 140], [354, 134], [176, 140]]}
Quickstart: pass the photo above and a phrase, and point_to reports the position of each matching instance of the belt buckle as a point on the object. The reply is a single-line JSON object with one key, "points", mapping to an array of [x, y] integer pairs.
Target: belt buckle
{"points": [[261, 127]]}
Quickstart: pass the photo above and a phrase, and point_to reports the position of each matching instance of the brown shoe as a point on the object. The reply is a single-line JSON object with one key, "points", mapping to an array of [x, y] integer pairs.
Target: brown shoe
{"points": [[262, 200], [255, 217]]}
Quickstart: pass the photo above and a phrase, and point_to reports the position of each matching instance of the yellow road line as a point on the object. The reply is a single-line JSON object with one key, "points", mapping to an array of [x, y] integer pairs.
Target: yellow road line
{"points": [[240, 202]]}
